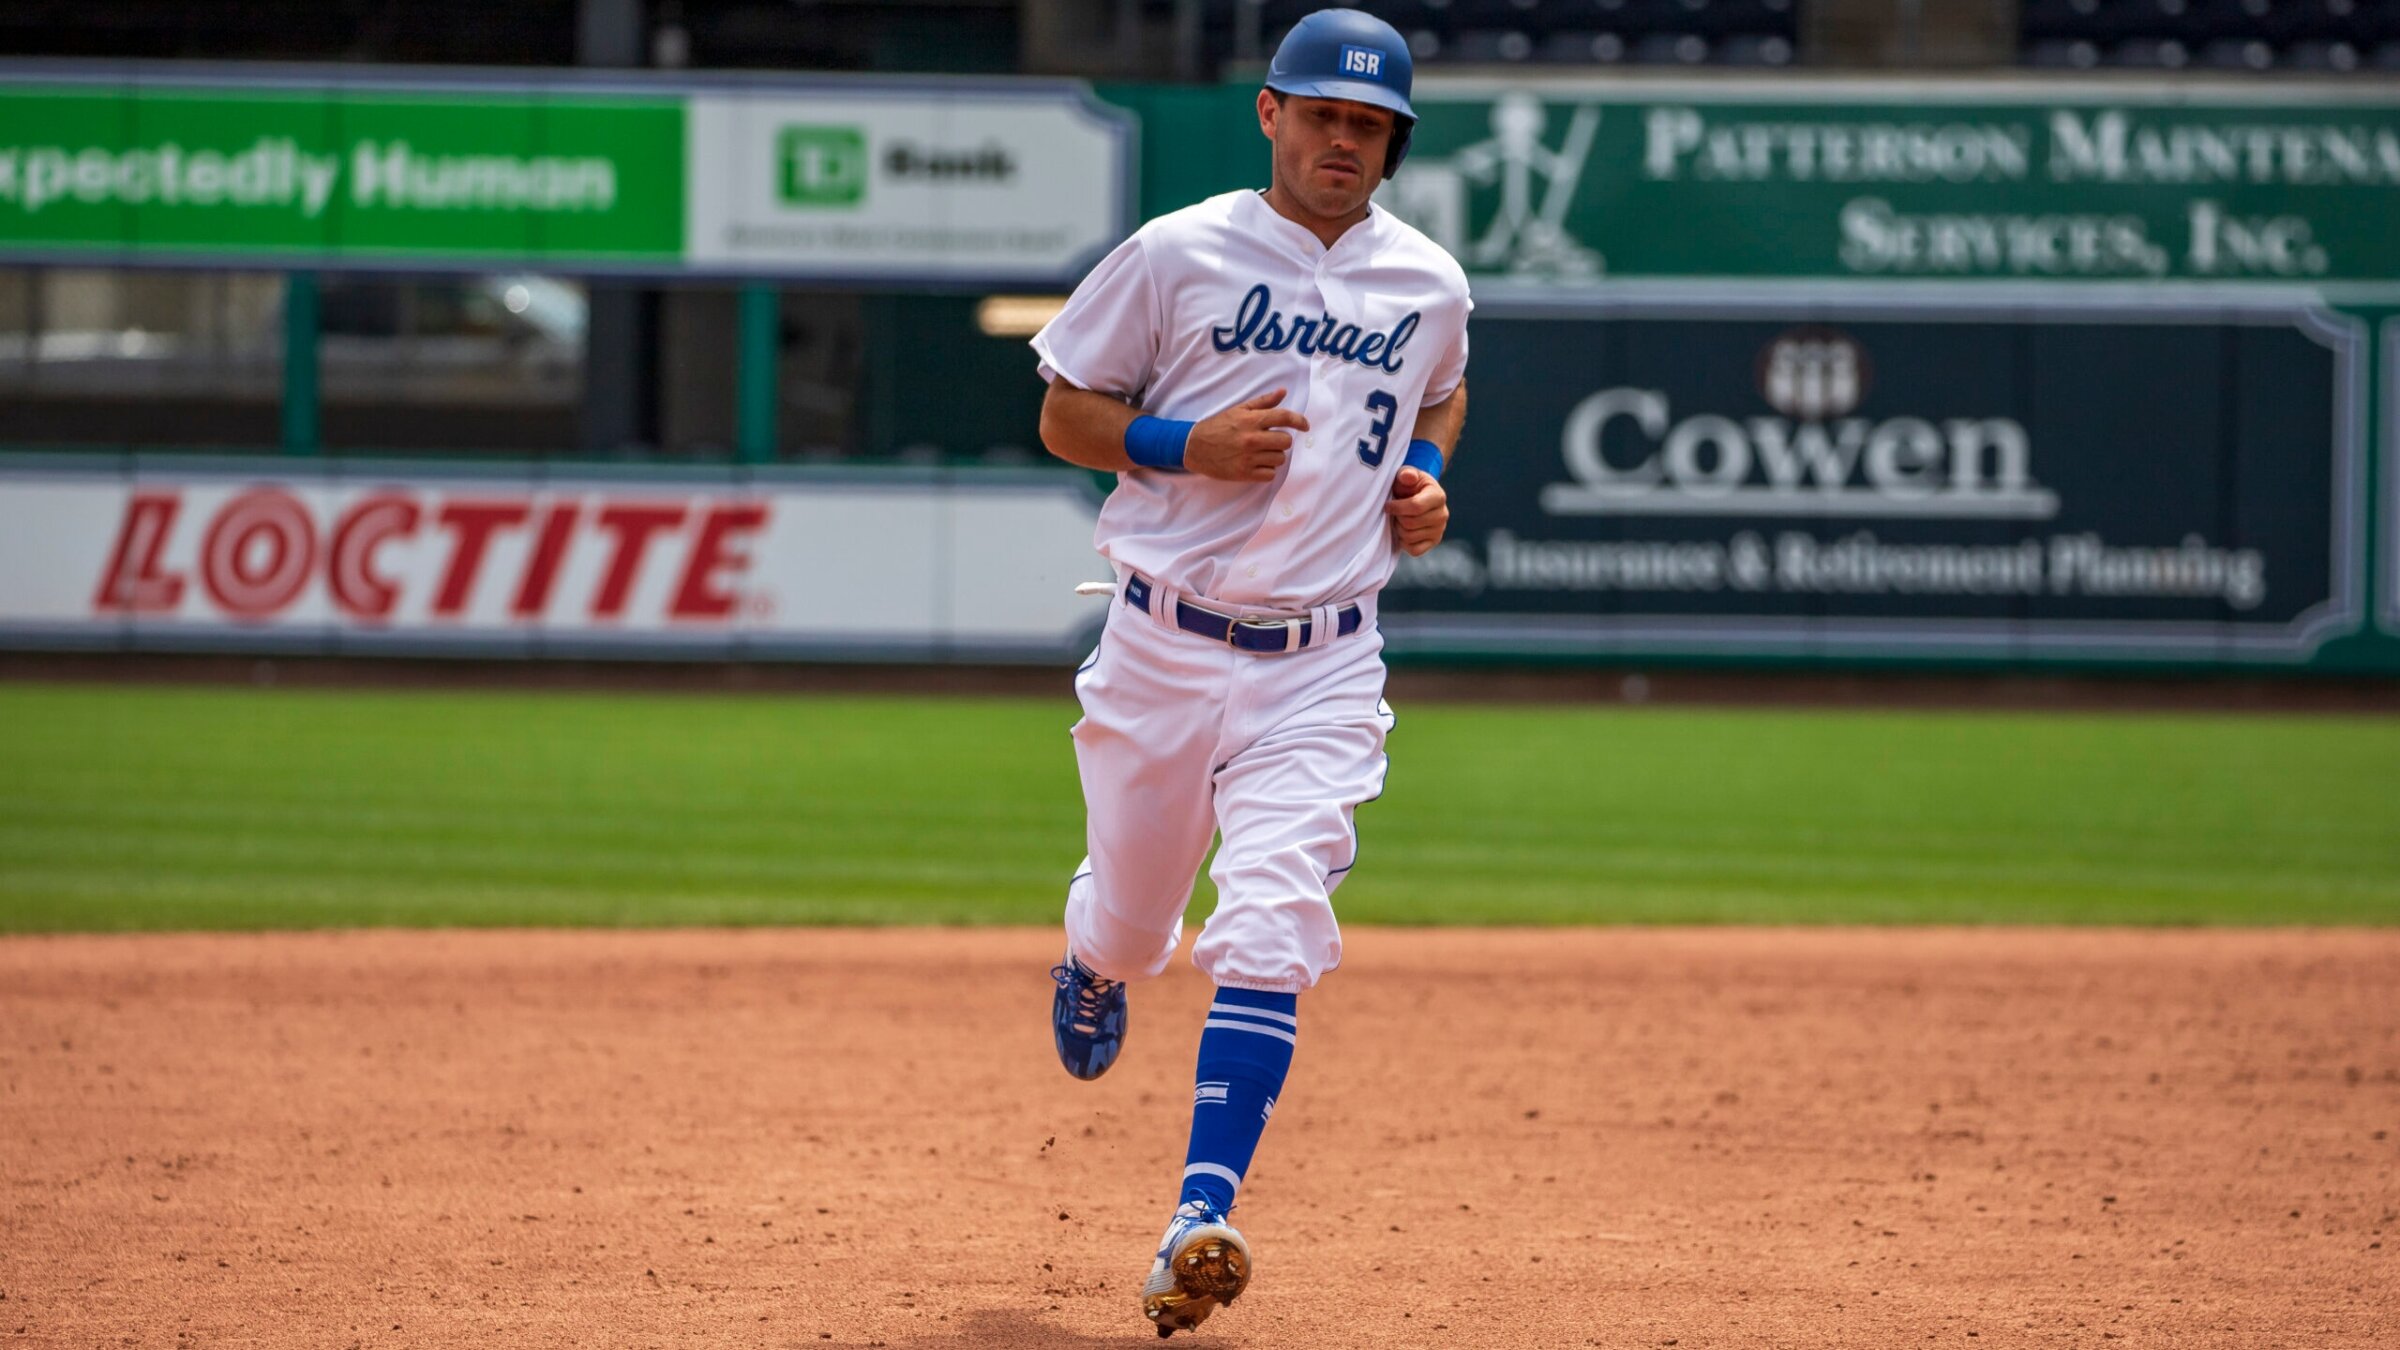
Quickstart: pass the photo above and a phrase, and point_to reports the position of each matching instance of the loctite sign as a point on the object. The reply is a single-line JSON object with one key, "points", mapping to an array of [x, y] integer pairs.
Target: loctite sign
{"points": [[261, 548], [240, 557]]}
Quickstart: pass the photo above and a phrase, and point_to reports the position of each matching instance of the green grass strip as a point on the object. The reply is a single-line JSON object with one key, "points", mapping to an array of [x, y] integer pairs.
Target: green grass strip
{"points": [[222, 808]]}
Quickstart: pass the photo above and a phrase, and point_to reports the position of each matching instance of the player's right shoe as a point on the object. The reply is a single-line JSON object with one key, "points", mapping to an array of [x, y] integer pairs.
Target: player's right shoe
{"points": [[1202, 1265], [1087, 1018]]}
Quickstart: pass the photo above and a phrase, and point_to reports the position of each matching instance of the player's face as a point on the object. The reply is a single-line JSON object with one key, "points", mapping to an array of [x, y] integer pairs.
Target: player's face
{"points": [[1328, 152]]}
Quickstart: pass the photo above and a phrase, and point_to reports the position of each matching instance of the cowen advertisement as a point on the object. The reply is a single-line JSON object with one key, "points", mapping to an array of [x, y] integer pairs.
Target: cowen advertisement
{"points": [[909, 181], [1903, 479], [1992, 180]]}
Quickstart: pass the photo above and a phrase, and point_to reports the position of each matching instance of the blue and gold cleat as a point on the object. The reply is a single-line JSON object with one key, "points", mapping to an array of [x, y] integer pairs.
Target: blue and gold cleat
{"points": [[1202, 1265], [1087, 1018]]}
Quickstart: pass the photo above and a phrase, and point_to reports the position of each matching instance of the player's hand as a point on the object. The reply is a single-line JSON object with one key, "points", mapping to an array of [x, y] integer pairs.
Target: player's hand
{"points": [[1243, 444], [1419, 509]]}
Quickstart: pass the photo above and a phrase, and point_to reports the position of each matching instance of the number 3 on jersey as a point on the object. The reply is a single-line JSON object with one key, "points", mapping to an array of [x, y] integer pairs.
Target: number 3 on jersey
{"points": [[1384, 406]]}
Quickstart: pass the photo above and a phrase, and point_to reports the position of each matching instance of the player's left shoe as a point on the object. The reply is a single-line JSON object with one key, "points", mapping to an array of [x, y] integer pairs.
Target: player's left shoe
{"points": [[1202, 1265], [1087, 1018]]}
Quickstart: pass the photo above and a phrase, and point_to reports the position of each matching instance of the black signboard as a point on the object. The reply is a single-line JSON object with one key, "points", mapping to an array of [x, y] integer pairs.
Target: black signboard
{"points": [[2389, 519], [2121, 481]]}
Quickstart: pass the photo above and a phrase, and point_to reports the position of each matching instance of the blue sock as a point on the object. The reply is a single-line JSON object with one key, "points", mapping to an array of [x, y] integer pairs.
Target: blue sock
{"points": [[1245, 1050]]}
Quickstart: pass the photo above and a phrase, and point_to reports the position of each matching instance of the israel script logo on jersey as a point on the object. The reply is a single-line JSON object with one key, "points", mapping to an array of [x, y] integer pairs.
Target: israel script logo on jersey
{"points": [[1257, 327], [1362, 61]]}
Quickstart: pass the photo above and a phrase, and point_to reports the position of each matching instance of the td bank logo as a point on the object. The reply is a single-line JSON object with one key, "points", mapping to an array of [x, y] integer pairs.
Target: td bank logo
{"points": [[820, 166]]}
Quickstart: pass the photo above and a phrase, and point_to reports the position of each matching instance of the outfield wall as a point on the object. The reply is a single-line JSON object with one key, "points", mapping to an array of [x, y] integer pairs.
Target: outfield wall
{"points": [[1961, 372]]}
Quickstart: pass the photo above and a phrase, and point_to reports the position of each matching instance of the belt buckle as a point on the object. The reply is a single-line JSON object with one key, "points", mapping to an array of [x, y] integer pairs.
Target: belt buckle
{"points": [[1233, 627], [1290, 627]]}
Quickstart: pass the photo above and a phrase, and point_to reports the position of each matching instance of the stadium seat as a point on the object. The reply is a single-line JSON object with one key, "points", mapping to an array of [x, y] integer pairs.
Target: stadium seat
{"points": [[1492, 14], [1582, 48], [2045, 16], [1491, 46], [1720, 17], [2198, 22], [1553, 32], [2238, 54], [1573, 16], [1281, 14], [2312, 35], [2150, 54], [1709, 18], [1755, 49], [2231, 19], [1672, 49], [2077, 18], [1623, 16], [2332, 20], [2063, 54], [2332, 56], [1408, 15]]}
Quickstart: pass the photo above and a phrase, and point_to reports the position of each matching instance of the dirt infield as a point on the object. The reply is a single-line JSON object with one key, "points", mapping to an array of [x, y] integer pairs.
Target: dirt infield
{"points": [[805, 1138]]}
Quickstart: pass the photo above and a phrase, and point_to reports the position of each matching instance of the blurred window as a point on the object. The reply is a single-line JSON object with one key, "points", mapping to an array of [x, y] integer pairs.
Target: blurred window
{"points": [[481, 363], [822, 354], [935, 387], [110, 356]]}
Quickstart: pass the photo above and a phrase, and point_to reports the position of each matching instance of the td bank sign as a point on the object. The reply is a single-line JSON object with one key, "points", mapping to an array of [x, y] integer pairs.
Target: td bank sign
{"points": [[822, 166], [1024, 183]]}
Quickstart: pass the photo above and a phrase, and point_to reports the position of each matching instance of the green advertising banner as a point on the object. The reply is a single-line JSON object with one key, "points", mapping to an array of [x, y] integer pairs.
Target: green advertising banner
{"points": [[915, 181], [1892, 181], [1885, 480], [1543, 182], [1584, 181], [495, 175]]}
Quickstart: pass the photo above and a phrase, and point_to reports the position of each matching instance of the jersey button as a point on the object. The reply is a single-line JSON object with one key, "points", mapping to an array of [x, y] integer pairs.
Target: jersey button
{"points": [[1308, 440], [1287, 513], [1254, 569]]}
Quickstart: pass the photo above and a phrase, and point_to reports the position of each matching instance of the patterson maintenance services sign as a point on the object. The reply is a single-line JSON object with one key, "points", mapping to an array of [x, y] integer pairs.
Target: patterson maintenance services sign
{"points": [[919, 181], [1893, 479], [1966, 180]]}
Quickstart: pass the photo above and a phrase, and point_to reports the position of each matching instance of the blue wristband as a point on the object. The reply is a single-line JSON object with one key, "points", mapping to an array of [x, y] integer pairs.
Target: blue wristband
{"points": [[1424, 455], [1156, 442]]}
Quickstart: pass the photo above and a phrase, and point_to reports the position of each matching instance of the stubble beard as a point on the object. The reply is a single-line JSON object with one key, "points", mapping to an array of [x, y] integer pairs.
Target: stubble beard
{"points": [[1326, 203]]}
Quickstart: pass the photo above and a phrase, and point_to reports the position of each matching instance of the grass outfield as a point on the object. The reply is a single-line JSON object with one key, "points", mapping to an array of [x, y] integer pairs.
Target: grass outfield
{"points": [[146, 808]]}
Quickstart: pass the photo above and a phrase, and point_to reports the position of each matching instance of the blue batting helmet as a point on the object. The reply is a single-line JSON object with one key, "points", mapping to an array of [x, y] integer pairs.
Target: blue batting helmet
{"points": [[1347, 54]]}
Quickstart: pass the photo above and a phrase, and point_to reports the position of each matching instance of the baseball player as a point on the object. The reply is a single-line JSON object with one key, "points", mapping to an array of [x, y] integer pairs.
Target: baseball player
{"points": [[1277, 379]]}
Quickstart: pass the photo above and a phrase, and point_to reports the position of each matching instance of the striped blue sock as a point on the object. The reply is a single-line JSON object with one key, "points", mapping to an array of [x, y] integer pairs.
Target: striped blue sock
{"points": [[1245, 1051]]}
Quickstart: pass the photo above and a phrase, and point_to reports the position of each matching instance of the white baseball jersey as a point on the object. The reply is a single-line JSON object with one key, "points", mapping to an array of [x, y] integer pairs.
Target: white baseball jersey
{"points": [[1184, 739], [1226, 300]]}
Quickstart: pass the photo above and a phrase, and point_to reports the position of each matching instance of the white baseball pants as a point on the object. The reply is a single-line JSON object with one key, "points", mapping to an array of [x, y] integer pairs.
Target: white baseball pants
{"points": [[1183, 739]]}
